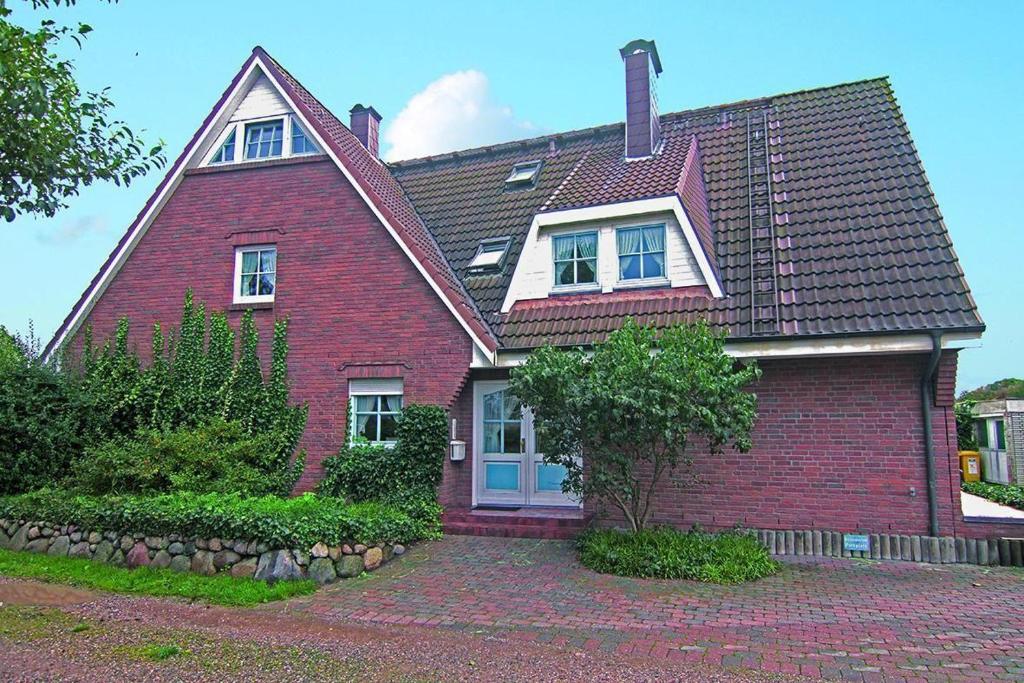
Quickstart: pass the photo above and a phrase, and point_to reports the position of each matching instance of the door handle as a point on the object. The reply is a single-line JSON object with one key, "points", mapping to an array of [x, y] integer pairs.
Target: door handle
{"points": [[522, 445]]}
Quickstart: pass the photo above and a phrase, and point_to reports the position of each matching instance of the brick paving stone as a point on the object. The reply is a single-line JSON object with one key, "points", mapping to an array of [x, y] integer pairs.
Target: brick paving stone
{"points": [[837, 619]]}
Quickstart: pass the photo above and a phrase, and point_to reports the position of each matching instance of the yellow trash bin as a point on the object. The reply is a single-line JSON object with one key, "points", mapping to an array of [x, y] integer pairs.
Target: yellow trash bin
{"points": [[970, 465]]}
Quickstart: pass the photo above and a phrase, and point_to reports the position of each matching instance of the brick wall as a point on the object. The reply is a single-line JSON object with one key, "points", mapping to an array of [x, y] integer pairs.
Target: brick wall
{"points": [[837, 446], [1014, 429], [357, 305]]}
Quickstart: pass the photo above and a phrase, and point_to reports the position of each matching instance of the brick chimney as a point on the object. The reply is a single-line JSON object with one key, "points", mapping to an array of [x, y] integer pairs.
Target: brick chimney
{"points": [[365, 123], [643, 130]]}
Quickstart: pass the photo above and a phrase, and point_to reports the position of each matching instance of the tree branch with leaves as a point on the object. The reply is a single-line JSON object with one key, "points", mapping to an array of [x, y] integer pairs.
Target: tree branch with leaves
{"points": [[55, 137], [622, 418]]}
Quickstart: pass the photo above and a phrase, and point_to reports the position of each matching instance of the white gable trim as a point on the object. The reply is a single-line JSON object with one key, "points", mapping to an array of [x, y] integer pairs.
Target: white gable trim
{"points": [[621, 210], [322, 144], [196, 154]]}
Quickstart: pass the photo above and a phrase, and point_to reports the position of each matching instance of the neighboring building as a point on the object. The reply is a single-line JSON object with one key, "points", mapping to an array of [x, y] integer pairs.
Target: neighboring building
{"points": [[999, 430], [802, 224]]}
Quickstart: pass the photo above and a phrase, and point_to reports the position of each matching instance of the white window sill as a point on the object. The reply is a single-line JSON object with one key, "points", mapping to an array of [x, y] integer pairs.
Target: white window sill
{"points": [[643, 283], [246, 300], [576, 289]]}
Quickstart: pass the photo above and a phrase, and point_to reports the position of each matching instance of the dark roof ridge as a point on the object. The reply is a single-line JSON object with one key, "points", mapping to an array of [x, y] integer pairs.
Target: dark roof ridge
{"points": [[606, 128]]}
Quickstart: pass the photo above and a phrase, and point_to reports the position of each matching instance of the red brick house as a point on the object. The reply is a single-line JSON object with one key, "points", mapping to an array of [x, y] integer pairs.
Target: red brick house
{"points": [[803, 224]]}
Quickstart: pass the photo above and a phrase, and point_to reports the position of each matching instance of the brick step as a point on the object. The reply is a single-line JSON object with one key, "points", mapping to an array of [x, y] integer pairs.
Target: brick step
{"points": [[511, 530], [517, 520]]}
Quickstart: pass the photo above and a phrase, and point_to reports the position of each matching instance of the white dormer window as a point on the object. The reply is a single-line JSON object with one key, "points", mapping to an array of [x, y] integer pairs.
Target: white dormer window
{"points": [[641, 253], [523, 175], [489, 255], [264, 140], [575, 257], [255, 274]]}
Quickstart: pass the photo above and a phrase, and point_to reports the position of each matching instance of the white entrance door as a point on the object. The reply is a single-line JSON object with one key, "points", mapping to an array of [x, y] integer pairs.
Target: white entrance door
{"points": [[507, 469]]}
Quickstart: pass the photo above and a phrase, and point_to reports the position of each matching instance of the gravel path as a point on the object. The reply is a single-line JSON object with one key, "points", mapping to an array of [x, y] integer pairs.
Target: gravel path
{"points": [[57, 633]]}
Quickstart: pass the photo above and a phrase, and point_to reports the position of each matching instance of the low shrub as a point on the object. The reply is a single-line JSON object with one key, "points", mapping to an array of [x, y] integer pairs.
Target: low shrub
{"points": [[216, 457], [666, 553], [43, 423], [1012, 496], [405, 475], [280, 522], [220, 589]]}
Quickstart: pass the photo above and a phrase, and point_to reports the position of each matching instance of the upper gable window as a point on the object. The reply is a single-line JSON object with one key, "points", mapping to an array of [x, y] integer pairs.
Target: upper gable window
{"points": [[489, 255], [255, 274], [301, 144], [226, 153], [575, 259], [641, 252], [264, 140], [523, 175]]}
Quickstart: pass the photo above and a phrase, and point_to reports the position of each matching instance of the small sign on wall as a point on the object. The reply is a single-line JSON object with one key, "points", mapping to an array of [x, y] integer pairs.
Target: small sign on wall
{"points": [[856, 542]]}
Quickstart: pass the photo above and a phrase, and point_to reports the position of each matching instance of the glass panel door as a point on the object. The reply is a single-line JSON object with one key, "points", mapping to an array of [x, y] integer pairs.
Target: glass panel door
{"points": [[545, 485], [500, 473]]}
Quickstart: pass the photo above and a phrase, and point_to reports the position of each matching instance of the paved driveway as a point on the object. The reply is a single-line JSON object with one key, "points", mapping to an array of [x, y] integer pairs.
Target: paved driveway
{"points": [[837, 619]]}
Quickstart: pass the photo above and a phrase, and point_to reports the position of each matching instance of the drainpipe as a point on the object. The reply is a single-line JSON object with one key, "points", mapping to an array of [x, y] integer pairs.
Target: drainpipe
{"points": [[927, 380]]}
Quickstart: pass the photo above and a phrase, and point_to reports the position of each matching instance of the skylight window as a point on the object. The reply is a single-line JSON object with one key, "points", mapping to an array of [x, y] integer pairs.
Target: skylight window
{"points": [[489, 255], [226, 153], [524, 175]]}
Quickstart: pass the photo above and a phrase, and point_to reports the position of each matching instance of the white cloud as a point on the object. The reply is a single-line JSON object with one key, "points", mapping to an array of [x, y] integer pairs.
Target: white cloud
{"points": [[73, 230], [454, 112]]}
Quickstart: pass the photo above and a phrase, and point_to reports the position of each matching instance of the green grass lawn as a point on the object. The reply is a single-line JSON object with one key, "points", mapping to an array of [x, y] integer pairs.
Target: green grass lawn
{"points": [[220, 589]]}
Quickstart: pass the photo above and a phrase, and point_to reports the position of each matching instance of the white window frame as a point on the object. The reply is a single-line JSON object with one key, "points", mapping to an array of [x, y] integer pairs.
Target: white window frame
{"points": [[625, 283], [373, 387], [556, 286], [239, 128], [477, 266], [240, 298], [526, 181]]}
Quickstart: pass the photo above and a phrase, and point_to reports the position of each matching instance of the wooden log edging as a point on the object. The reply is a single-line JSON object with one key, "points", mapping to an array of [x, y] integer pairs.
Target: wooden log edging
{"points": [[1006, 552]]}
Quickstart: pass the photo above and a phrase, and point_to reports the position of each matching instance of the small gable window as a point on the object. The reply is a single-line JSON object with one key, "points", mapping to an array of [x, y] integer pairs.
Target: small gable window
{"points": [[255, 274], [264, 140], [489, 255], [226, 153], [575, 259], [301, 144], [523, 175], [641, 253]]}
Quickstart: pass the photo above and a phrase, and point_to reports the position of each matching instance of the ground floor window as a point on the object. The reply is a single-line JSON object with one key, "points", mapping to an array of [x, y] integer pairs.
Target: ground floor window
{"points": [[375, 407]]}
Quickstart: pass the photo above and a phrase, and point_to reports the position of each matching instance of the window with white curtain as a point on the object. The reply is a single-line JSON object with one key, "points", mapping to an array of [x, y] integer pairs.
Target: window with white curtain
{"points": [[641, 252], [255, 274], [575, 259], [375, 407]]}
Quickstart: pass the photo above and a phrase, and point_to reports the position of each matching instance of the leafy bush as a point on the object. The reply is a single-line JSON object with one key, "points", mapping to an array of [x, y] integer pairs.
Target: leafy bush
{"points": [[282, 522], [44, 421], [1000, 493], [667, 553], [963, 412], [215, 457], [405, 475]]}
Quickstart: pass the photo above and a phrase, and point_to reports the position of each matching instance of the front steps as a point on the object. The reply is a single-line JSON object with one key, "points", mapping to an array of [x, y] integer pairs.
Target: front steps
{"points": [[526, 522]]}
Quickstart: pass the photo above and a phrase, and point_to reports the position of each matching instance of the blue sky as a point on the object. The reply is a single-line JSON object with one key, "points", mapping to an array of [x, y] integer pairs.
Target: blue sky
{"points": [[478, 72]]}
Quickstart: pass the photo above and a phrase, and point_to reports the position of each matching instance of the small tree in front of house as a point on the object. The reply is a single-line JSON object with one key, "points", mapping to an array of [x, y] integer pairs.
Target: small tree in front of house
{"points": [[632, 407]]}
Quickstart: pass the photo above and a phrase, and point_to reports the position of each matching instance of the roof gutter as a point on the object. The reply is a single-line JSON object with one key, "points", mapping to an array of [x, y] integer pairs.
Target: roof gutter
{"points": [[927, 382]]}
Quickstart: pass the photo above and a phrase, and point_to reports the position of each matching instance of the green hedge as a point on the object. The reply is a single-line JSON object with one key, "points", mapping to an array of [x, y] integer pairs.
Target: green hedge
{"points": [[281, 522], [999, 493], [666, 553]]}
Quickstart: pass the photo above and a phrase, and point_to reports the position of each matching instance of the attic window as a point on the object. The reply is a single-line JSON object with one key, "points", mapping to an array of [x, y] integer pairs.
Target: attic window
{"points": [[489, 255], [226, 153], [264, 140], [523, 175], [301, 144]]}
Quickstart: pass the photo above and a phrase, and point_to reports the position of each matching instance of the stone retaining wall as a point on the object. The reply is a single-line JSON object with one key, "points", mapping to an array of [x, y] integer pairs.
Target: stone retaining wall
{"points": [[933, 549], [240, 558]]}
